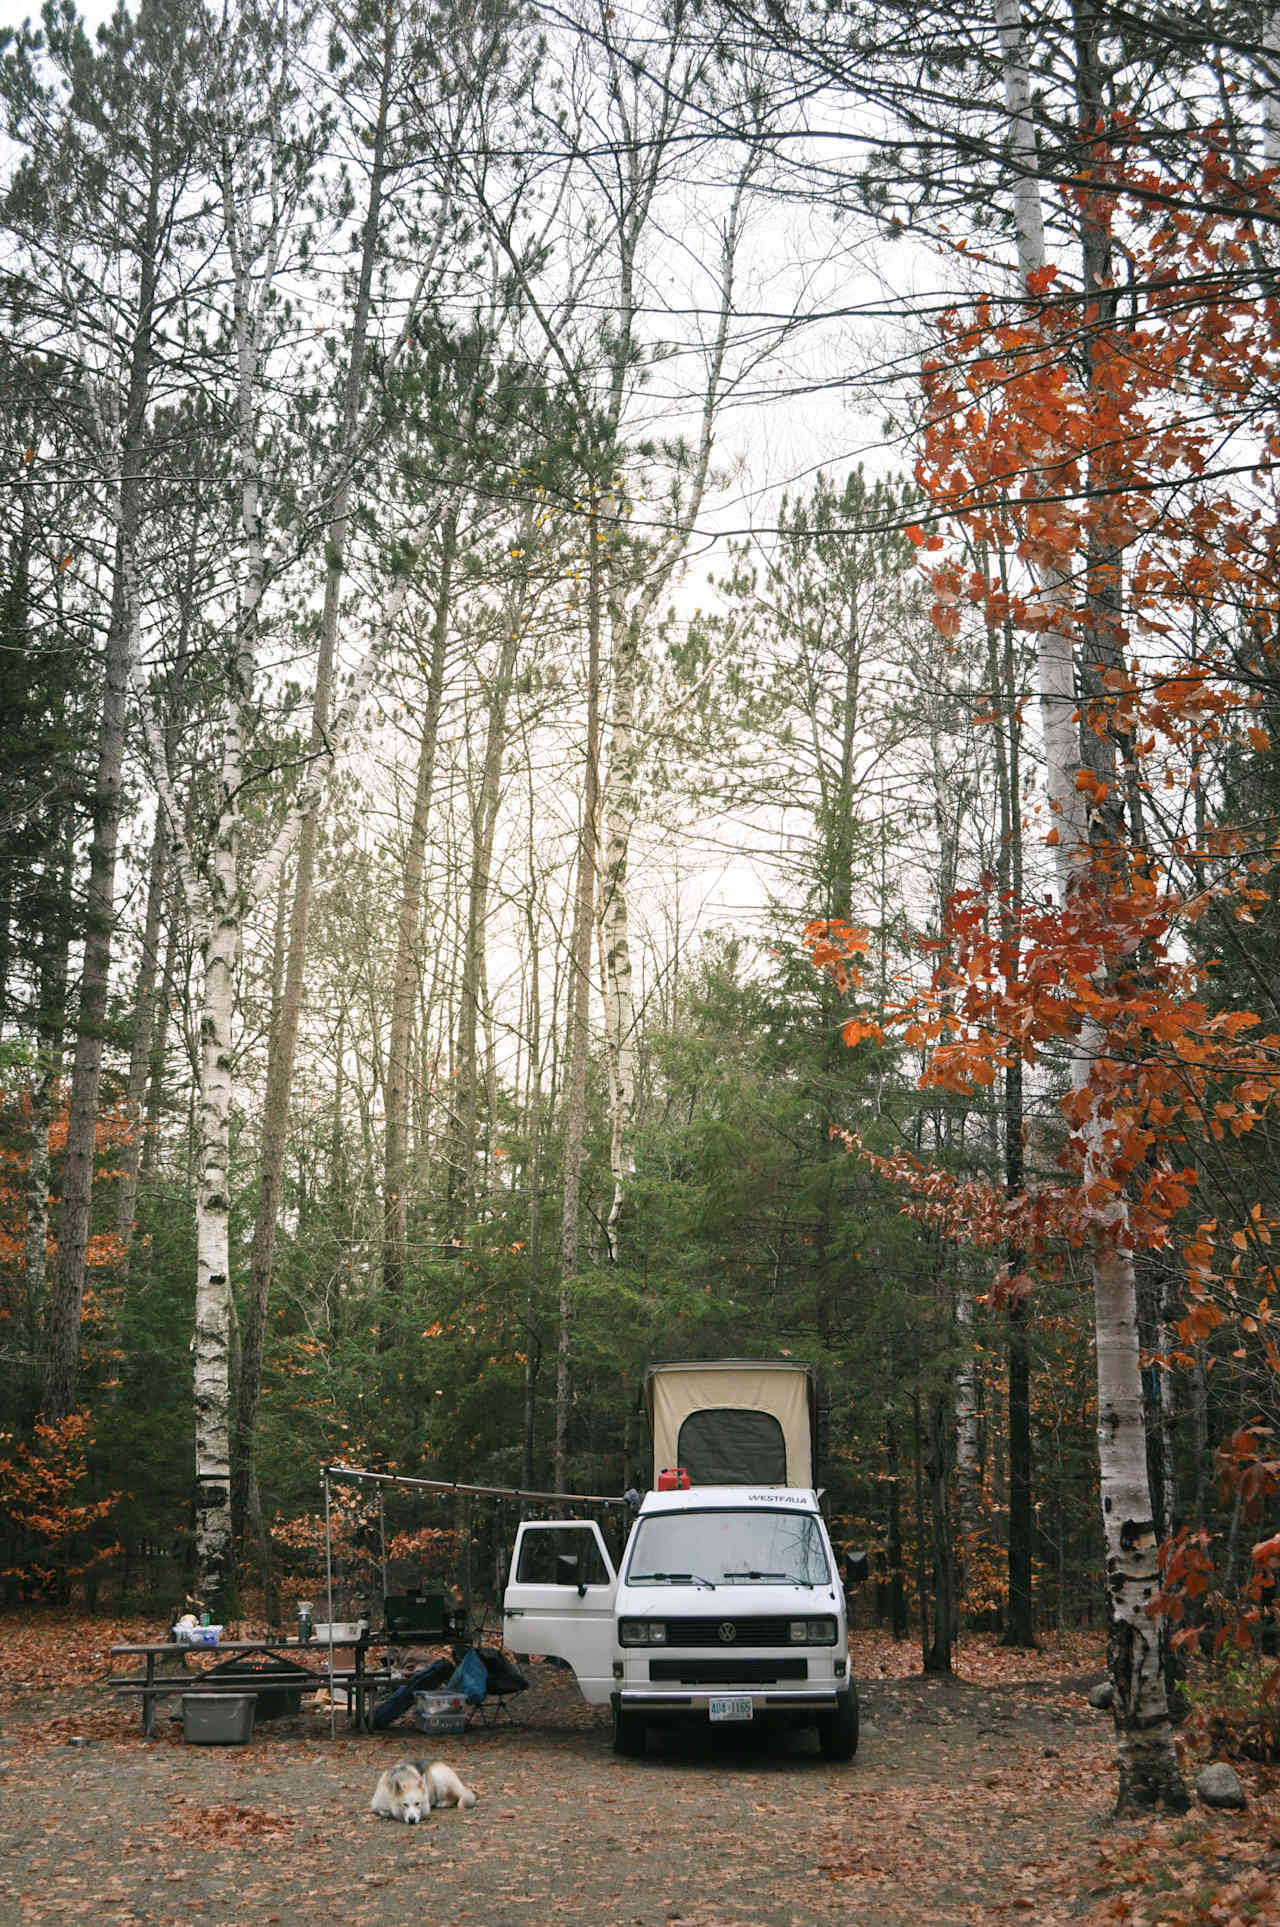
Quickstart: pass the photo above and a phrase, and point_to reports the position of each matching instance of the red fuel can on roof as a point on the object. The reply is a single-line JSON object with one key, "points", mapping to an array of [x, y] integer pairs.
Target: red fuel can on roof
{"points": [[673, 1479]]}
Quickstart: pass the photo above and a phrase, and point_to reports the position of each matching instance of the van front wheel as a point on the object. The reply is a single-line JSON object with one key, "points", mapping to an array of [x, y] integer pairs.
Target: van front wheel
{"points": [[628, 1734], [838, 1731]]}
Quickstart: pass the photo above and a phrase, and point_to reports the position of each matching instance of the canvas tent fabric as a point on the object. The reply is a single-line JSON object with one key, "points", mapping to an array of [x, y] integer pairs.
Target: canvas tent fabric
{"points": [[740, 1421]]}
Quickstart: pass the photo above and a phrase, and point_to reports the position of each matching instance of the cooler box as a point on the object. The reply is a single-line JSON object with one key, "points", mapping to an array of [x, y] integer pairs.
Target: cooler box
{"points": [[416, 1613]]}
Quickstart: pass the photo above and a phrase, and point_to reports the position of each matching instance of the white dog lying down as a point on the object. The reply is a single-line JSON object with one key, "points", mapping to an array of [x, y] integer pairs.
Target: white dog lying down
{"points": [[409, 1790]]}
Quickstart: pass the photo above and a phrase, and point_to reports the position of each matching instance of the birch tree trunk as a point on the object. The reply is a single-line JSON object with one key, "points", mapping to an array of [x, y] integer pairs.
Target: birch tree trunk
{"points": [[968, 1440], [1148, 1764]]}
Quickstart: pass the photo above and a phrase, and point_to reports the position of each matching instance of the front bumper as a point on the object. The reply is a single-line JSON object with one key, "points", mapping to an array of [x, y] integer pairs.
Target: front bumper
{"points": [[694, 1702]]}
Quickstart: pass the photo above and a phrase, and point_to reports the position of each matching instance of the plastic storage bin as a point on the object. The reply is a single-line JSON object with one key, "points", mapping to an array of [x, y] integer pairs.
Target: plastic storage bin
{"points": [[439, 1712], [217, 1719], [197, 1635]]}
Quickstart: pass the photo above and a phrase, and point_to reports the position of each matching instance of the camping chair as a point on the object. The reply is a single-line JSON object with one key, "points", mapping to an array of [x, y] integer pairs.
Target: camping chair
{"points": [[503, 1682]]}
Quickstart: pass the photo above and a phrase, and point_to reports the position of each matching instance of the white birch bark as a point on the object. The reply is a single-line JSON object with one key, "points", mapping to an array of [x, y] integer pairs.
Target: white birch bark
{"points": [[968, 1432], [1148, 1765]]}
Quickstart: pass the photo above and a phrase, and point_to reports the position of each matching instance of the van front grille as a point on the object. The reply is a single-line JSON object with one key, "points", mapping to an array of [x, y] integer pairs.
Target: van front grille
{"points": [[726, 1672], [712, 1632]]}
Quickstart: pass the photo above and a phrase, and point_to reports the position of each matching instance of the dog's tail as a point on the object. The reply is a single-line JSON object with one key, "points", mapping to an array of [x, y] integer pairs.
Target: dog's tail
{"points": [[466, 1797]]}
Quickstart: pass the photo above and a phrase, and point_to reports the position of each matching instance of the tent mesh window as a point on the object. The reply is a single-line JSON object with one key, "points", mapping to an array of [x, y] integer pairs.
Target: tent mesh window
{"points": [[733, 1447]]}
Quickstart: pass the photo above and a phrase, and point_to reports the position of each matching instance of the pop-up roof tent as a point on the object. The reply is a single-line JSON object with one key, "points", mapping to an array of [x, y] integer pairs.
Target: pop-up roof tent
{"points": [[734, 1421]]}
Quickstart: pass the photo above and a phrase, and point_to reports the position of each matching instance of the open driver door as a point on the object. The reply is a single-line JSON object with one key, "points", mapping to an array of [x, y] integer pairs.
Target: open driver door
{"points": [[560, 1600]]}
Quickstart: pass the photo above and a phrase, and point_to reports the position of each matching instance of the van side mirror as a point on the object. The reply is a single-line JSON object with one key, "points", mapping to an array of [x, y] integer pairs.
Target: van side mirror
{"points": [[568, 1572], [857, 1567]]}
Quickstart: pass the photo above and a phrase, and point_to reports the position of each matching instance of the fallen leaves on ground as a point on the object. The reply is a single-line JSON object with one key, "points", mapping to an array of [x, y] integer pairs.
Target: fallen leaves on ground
{"points": [[1201, 1869], [223, 1823], [53, 1646], [983, 1798], [980, 1660]]}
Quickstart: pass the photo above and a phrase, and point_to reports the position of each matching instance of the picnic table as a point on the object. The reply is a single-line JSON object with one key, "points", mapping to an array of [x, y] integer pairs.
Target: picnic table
{"points": [[280, 1666]]}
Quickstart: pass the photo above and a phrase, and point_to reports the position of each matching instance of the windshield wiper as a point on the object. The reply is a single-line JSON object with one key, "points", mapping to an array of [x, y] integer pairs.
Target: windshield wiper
{"points": [[790, 1578], [672, 1579]]}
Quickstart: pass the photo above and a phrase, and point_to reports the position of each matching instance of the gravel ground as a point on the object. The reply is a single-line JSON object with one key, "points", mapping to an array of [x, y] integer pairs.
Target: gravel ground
{"points": [[966, 1803]]}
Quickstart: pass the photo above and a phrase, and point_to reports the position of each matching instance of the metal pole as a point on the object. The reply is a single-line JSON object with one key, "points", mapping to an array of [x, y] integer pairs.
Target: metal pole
{"points": [[468, 1590], [382, 1545], [328, 1570], [339, 1471]]}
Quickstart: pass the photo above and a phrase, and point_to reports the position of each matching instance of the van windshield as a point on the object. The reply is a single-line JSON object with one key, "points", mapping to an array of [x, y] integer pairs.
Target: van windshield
{"points": [[738, 1548]]}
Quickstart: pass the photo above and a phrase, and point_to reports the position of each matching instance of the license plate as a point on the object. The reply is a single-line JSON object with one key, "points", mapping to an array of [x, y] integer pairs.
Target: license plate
{"points": [[731, 1709]]}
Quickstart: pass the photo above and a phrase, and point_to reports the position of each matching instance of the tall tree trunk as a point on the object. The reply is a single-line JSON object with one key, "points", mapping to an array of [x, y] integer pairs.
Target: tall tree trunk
{"points": [[50, 1028], [1149, 1769], [628, 622], [574, 1107], [283, 1043], [67, 1298], [533, 1106], [922, 1587], [395, 1206], [619, 1000], [969, 1519], [141, 1049], [484, 823], [1019, 1628], [893, 1528], [143, 1033], [159, 1046], [937, 1658]]}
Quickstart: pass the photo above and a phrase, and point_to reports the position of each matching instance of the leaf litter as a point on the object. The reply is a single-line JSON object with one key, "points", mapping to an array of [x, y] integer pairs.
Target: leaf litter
{"points": [[980, 1799]]}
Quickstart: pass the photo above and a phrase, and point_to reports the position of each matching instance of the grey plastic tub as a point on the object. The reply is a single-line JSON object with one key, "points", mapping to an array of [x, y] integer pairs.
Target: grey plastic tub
{"points": [[217, 1719]]}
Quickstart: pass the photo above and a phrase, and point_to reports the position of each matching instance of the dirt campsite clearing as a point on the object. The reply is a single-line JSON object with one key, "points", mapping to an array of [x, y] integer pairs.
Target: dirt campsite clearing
{"points": [[984, 1798]]}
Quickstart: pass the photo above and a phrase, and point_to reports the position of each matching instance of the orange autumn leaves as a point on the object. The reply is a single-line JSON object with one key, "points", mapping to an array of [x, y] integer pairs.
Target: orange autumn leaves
{"points": [[1101, 462], [1085, 434], [1168, 1071]]}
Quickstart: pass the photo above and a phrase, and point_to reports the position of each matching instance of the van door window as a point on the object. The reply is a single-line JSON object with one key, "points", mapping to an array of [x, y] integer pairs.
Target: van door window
{"points": [[561, 1556]]}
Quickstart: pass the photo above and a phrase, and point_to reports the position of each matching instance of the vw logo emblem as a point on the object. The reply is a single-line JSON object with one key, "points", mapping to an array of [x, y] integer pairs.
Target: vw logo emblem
{"points": [[727, 1631]]}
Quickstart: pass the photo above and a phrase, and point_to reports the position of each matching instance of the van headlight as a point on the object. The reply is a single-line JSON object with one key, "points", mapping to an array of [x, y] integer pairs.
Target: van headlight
{"points": [[642, 1632], [813, 1632]]}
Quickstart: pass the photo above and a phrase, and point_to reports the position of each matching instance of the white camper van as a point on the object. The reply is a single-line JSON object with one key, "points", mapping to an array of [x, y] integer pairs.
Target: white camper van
{"points": [[728, 1605]]}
